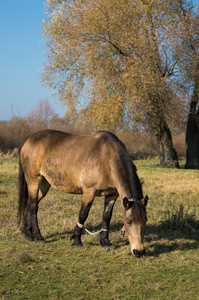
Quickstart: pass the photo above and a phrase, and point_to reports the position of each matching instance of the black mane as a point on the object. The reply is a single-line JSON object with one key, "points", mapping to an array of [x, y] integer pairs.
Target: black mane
{"points": [[130, 169]]}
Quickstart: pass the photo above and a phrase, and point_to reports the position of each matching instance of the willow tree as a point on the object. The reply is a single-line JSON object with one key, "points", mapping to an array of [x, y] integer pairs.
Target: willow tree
{"points": [[115, 59]]}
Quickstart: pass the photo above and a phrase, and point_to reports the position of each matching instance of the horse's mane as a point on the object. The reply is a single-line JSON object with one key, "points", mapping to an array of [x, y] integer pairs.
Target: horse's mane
{"points": [[130, 169]]}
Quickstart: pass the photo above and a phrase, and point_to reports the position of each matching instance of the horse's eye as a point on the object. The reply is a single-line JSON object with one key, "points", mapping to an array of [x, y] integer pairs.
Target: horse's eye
{"points": [[128, 222]]}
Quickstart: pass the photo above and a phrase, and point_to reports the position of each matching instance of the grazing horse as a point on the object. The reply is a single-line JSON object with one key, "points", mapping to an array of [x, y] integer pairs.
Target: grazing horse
{"points": [[92, 165]]}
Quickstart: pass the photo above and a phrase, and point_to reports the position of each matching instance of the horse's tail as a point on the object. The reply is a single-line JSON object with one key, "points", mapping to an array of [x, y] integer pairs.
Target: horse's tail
{"points": [[23, 195]]}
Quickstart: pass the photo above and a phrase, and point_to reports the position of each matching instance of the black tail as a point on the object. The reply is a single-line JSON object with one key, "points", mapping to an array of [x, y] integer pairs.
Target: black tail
{"points": [[23, 195]]}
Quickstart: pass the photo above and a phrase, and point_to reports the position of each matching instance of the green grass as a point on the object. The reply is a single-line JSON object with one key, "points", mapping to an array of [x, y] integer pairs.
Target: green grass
{"points": [[55, 270]]}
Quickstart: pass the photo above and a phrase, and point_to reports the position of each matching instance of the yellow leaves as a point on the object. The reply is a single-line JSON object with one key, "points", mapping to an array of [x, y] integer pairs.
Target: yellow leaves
{"points": [[105, 113], [111, 53]]}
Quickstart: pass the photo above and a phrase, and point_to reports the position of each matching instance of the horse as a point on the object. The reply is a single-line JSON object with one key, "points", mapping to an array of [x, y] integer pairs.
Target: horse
{"points": [[93, 165]]}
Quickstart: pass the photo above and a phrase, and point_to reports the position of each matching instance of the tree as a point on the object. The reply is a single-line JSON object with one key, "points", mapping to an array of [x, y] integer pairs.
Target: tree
{"points": [[118, 59], [189, 18], [40, 116]]}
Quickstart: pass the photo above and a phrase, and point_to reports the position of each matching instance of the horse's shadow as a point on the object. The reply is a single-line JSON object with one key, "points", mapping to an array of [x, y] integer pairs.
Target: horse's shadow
{"points": [[55, 236], [158, 240]]}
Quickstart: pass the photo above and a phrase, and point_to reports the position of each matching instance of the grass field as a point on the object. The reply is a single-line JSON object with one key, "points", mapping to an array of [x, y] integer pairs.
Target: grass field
{"points": [[54, 270]]}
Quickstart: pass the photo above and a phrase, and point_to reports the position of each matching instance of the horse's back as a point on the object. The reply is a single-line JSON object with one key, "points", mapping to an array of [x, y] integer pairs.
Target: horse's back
{"points": [[56, 142], [71, 162]]}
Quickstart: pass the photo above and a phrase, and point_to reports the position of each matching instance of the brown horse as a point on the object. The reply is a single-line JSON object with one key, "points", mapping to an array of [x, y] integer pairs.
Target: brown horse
{"points": [[92, 165]]}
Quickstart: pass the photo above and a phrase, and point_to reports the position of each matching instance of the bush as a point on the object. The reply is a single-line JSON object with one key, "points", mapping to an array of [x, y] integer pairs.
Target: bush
{"points": [[140, 144], [13, 133], [179, 144]]}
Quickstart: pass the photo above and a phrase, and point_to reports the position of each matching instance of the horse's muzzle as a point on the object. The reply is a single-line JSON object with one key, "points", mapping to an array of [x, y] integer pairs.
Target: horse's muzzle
{"points": [[138, 253]]}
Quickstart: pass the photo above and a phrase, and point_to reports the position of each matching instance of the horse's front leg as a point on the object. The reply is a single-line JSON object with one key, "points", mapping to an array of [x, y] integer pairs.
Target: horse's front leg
{"points": [[87, 201], [108, 209]]}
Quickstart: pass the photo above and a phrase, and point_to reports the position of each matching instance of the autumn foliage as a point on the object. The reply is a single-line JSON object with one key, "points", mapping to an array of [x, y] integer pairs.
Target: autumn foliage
{"points": [[120, 63]]}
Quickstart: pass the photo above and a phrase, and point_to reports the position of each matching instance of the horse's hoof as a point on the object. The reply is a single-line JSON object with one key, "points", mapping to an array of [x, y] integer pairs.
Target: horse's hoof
{"points": [[29, 238], [105, 243], [39, 240], [77, 245]]}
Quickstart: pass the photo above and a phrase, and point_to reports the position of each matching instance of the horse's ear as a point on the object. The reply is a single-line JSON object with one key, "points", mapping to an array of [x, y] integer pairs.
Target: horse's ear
{"points": [[126, 203], [145, 201]]}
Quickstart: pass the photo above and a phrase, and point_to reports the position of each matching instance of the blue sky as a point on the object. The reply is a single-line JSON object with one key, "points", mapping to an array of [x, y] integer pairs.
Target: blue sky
{"points": [[21, 58]]}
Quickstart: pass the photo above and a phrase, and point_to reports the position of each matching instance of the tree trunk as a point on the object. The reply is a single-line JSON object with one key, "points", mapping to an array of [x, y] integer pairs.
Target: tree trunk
{"points": [[192, 141], [192, 137], [192, 132], [168, 155]]}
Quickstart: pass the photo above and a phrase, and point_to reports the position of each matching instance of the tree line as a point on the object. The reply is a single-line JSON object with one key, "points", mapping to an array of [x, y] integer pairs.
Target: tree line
{"points": [[124, 63], [140, 144]]}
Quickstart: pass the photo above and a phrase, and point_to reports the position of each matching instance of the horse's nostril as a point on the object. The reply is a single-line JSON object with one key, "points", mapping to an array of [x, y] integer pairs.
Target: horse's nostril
{"points": [[143, 251], [138, 253]]}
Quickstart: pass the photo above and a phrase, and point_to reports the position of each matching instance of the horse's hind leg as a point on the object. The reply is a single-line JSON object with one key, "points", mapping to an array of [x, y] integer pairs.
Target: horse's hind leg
{"points": [[27, 226], [35, 227], [87, 200], [36, 190], [107, 214]]}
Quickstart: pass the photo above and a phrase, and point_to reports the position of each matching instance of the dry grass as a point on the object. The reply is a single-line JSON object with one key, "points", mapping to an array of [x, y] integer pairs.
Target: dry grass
{"points": [[55, 270], [173, 181]]}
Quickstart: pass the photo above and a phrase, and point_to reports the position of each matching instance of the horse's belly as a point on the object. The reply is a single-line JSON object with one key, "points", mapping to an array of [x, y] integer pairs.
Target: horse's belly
{"points": [[64, 185], [60, 179], [105, 192], [68, 189]]}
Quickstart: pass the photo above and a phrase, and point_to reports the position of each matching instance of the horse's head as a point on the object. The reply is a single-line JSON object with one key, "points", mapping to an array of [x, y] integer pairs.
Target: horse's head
{"points": [[134, 221]]}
